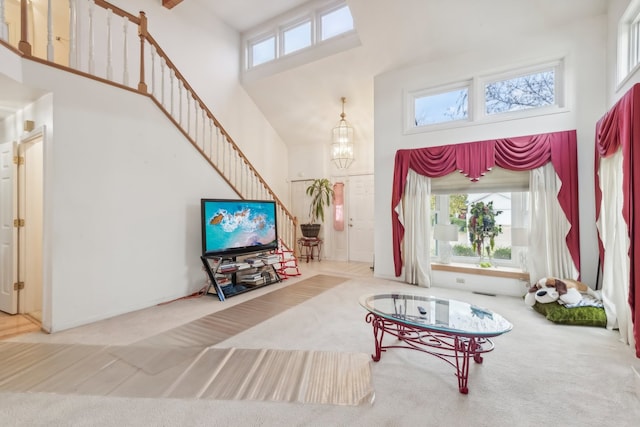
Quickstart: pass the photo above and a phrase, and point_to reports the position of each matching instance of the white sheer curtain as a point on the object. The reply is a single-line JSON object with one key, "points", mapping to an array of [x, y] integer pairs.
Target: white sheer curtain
{"points": [[615, 239], [414, 213], [548, 251]]}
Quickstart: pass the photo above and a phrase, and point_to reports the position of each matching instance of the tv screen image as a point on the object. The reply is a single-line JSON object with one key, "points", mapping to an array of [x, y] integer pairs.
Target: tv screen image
{"points": [[237, 226]]}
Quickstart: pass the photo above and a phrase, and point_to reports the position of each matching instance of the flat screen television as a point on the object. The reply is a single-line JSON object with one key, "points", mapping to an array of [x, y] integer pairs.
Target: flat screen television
{"points": [[231, 227]]}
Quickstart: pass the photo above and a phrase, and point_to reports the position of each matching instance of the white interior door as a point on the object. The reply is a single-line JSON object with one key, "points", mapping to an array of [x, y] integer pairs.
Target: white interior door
{"points": [[360, 219], [30, 177], [8, 296]]}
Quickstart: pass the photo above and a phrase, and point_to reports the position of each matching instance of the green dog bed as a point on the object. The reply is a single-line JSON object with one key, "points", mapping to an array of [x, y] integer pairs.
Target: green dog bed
{"points": [[583, 316]]}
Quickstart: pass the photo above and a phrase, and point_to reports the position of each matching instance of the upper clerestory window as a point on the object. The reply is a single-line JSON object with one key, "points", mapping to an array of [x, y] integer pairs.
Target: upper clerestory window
{"points": [[531, 90], [523, 92], [299, 30], [263, 50], [629, 42], [441, 106], [295, 38], [336, 22]]}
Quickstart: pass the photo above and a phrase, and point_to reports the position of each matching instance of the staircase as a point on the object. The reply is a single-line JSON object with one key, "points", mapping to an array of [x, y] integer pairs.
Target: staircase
{"points": [[119, 51]]}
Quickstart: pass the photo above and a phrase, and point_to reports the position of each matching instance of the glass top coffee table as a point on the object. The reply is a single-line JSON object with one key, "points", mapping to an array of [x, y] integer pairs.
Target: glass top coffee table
{"points": [[451, 330]]}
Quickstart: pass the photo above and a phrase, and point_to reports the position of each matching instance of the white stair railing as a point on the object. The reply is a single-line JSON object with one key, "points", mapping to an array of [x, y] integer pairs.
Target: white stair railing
{"points": [[102, 53], [4, 28]]}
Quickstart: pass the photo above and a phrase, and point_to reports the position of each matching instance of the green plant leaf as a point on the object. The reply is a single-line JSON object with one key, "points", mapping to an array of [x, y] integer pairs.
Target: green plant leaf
{"points": [[482, 226], [321, 192]]}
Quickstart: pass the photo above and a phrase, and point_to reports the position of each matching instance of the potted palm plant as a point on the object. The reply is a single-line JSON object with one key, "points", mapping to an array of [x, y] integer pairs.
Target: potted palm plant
{"points": [[321, 193]]}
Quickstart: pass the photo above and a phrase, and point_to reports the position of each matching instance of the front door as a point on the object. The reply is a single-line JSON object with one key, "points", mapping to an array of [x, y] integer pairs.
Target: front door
{"points": [[8, 296], [360, 218]]}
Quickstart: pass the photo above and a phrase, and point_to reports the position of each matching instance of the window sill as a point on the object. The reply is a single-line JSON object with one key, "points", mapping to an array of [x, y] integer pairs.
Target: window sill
{"points": [[506, 272]]}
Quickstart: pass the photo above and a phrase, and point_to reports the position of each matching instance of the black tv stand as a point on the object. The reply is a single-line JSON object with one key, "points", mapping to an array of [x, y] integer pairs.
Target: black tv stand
{"points": [[230, 276]]}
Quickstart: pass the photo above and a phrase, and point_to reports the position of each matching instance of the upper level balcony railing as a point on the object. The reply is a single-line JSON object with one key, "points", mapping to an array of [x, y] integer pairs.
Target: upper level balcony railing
{"points": [[98, 40]]}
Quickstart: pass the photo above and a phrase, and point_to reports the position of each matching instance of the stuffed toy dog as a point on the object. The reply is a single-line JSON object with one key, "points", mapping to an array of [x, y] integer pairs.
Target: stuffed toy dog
{"points": [[550, 289]]}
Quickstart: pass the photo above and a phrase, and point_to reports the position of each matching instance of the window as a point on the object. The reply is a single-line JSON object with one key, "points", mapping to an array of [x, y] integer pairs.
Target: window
{"points": [[505, 251], [629, 41], [508, 192], [538, 89], [336, 22], [441, 107], [263, 51], [526, 91], [296, 38], [318, 22], [634, 43]]}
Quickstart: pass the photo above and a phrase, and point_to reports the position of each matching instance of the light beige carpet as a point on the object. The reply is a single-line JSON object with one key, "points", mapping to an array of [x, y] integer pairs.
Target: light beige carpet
{"points": [[540, 374], [226, 323], [181, 363]]}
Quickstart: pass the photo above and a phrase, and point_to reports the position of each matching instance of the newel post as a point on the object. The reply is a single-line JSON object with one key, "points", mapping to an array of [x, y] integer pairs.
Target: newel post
{"points": [[142, 32], [23, 45]]}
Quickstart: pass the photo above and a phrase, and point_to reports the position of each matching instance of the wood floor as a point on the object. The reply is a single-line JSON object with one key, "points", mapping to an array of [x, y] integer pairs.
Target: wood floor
{"points": [[16, 324]]}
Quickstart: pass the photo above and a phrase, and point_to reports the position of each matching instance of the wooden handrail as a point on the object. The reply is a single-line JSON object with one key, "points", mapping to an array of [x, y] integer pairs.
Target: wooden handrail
{"points": [[11, 48], [170, 4], [115, 9], [186, 84], [202, 104], [235, 167]]}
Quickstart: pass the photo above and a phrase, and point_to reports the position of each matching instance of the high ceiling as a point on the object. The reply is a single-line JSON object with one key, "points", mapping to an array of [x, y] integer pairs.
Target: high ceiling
{"points": [[246, 14], [393, 35], [303, 103]]}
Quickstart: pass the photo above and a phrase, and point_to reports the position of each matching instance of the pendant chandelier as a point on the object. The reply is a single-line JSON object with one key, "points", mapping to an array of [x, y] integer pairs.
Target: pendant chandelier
{"points": [[342, 142]]}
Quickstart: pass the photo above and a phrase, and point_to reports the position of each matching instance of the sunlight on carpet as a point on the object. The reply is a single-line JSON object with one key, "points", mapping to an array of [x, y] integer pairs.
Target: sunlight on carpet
{"points": [[319, 377], [278, 375], [181, 363], [219, 326]]}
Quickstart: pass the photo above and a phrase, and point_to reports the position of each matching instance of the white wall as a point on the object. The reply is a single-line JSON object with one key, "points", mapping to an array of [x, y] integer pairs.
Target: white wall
{"points": [[207, 53], [480, 283], [122, 191], [583, 47], [122, 185]]}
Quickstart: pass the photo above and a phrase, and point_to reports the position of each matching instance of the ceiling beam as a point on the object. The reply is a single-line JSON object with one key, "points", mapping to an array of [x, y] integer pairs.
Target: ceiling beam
{"points": [[169, 4]]}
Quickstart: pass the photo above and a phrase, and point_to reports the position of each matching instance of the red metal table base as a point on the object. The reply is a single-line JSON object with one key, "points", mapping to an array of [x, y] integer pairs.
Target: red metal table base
{"points": [[455, 349]]}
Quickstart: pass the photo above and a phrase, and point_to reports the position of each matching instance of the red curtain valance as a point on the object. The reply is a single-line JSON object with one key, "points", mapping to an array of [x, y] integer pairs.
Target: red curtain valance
{"points": [[619, 128], [474, 159]]}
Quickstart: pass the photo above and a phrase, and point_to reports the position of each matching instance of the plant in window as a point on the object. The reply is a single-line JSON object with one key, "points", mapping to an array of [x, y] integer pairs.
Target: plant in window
{"points": [[502, 253], [463, 250], [483, 229]]}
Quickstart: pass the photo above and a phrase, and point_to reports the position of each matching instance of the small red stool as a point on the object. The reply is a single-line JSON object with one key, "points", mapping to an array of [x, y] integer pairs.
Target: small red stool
{"points": [[288, 264]]}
